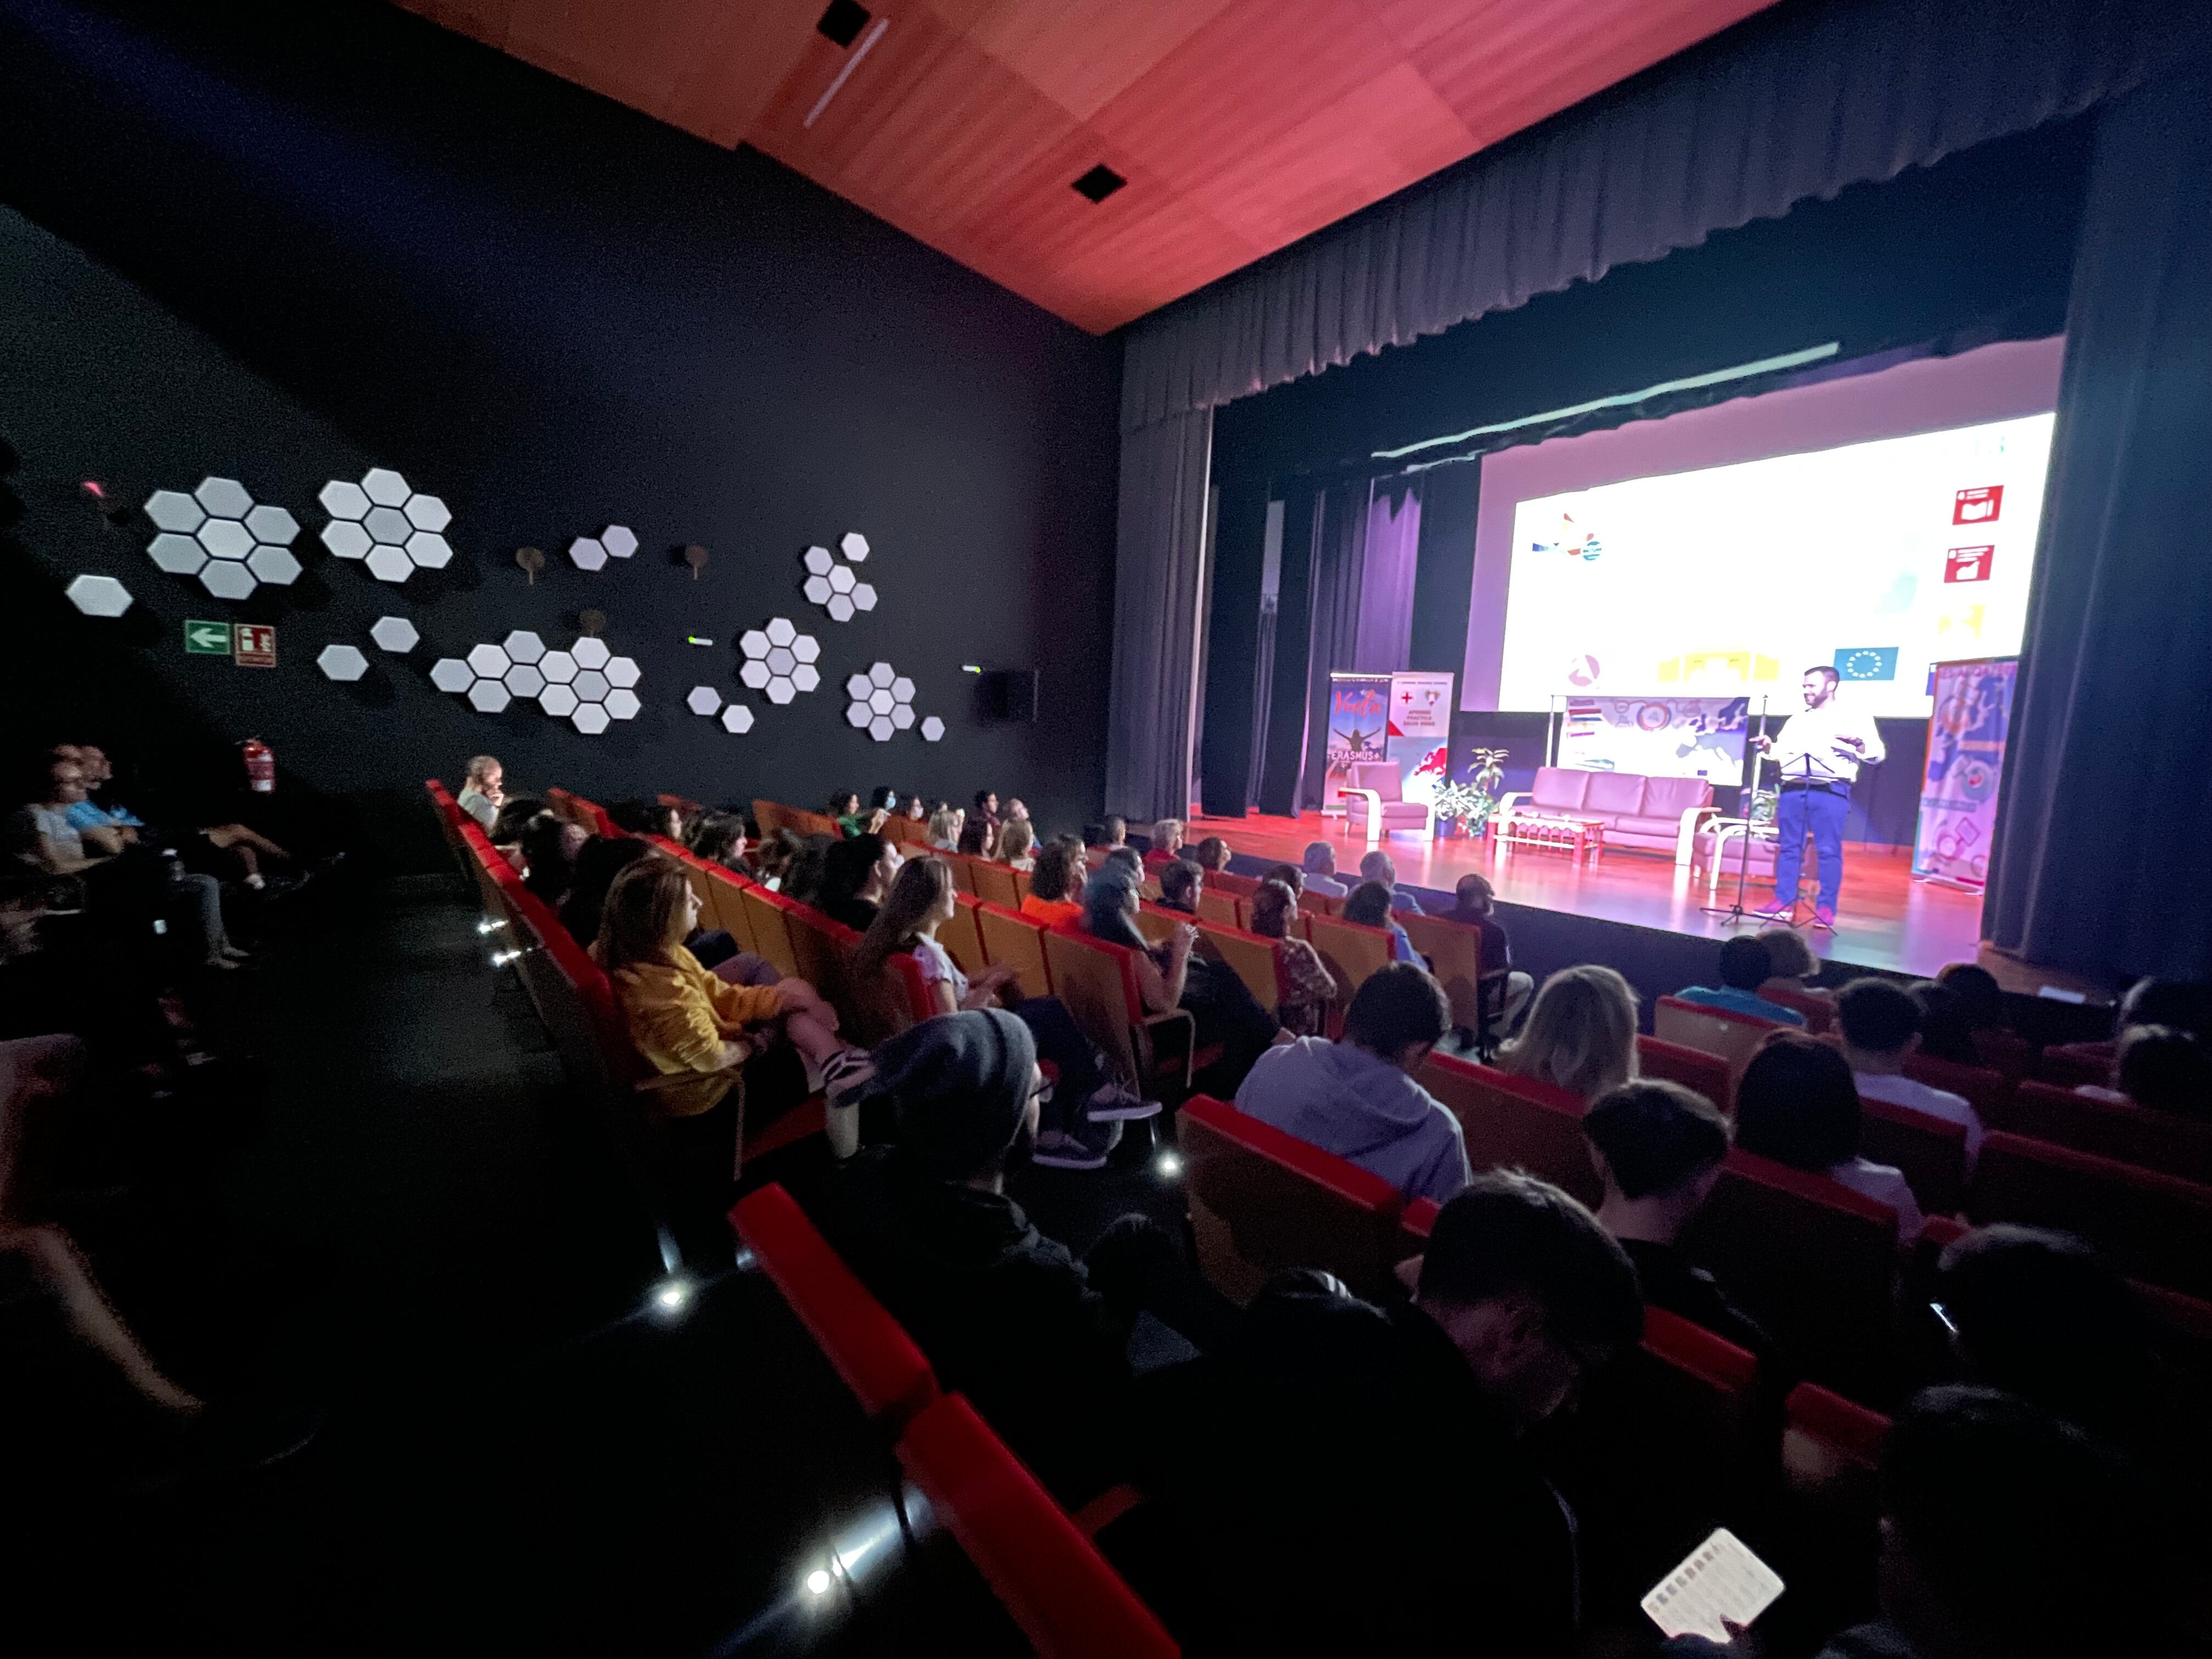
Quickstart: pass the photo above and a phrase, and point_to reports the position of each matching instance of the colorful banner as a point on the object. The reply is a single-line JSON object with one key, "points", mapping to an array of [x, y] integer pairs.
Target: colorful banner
{"points": [[1420, 732], [1359, 730], [1656, 737], [1966, 758]]}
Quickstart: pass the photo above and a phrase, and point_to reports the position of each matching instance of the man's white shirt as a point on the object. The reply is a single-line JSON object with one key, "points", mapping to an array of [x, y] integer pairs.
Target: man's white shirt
{"points": [[1820, 732]]}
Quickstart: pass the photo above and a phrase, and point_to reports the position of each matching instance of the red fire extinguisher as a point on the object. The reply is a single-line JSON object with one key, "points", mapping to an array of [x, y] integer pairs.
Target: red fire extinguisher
{"points": [[260, 766]]}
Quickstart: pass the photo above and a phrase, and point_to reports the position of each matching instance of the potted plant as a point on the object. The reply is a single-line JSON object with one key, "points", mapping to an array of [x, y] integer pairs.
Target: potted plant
{"points": [[1465, 808]]}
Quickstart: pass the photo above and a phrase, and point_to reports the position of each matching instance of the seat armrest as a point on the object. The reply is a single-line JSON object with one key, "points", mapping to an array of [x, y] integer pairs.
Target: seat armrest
{"points": [[1373, 806], [1685, 838], [1153, 1026]]}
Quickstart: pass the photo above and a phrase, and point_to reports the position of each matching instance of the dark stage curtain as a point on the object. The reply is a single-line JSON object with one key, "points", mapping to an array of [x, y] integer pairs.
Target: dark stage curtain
{"points": [[1159, 579], [2100, 862]]}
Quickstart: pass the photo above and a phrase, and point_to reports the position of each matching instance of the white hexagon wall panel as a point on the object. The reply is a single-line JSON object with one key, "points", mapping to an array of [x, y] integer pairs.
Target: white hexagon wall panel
{"points": [[837, 588], [394, 633], [737, 718], [341, 662], [384, 523], [218, 534], [932, 728], [879, 703], [99, 596], [704, 700], [780, 660], [586, 685]]}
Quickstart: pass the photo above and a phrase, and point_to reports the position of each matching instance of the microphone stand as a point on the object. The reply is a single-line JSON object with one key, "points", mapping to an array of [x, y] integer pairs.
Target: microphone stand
{"points": [[1735, 913]]}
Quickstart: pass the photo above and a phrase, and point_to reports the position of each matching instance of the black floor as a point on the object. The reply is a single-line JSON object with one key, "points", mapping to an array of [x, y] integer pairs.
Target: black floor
{"points": [[419, 1234]]}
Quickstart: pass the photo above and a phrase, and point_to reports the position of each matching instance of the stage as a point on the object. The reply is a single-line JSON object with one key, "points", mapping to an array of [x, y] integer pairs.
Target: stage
{"points": [[1885, 919]]}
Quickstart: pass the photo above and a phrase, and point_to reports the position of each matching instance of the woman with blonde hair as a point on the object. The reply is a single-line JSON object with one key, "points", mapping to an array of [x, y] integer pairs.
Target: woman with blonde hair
{"points": [[1017, 841], [945, 827], [1581, 1033]]}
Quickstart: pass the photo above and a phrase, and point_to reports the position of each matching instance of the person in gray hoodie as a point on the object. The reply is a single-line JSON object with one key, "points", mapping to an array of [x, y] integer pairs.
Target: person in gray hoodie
{"points": [[1357, 1098]]}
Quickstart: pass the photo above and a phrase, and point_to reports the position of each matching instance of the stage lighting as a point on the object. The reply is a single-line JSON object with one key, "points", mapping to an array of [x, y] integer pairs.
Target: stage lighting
{"points": [[672, 1296], [1170, 1165], [818, 1582]]}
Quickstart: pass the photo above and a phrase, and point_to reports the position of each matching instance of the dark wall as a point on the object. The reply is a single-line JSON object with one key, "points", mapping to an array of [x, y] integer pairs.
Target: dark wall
{"points": [[285, 245]]}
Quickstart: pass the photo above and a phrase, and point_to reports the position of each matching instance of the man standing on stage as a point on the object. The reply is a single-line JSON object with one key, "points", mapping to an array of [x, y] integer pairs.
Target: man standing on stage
{"points": [[1818, 755]]}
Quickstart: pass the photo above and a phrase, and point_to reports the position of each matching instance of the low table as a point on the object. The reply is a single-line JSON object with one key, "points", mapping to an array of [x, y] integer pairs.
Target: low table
{"points": [[1583, 838]]}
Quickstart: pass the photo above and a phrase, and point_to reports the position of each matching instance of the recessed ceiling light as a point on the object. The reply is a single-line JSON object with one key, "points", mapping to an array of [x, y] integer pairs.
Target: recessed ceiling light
{"points": [[1099, 183], [843, 21]]}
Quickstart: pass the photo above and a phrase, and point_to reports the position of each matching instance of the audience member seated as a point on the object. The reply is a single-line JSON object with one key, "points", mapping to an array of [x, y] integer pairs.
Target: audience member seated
{"points": [[885, 799], [945, 825], [1017, 842], [549, 847], [913, 811], [986, 809], [647, 817], [2006, 1533], [1168, 976], [1505, 988], [1378, 866], [1006, 1316], [599, 862], [720, 838], [1016, 808], [1357, 1098], [1320, 865], [772, 857], [979, 838], [1964, 1005], [483, 792], [1290, 875], [515, 817], [242, 848], [1658, 1148], [1331, 1472], [1180, 883], [1211, 854], [1580, 1035], [808, 869], [1056, 895], [1115, 831], [1370, 906], [1798, 1104], [1128, 858], [857, 874], [844, 809], [1746, 964], [2149, 1002], [1167, 838], [1795, 966], [1088, 1106], [1880, 1025], [1304, 988], [2163, 1067]]}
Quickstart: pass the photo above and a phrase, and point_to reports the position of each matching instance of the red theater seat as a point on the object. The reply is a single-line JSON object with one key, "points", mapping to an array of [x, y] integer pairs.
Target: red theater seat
{"points": [[868, 1349], [1819, 1012], [1693, 1068], [2152, 1140], [2152, 1226], [1516, 1122], [1733, 1036], [1054, 1584]]}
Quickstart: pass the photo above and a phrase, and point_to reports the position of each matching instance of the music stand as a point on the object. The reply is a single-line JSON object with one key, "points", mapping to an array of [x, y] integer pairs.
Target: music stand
{"points": [[1736, 912]]}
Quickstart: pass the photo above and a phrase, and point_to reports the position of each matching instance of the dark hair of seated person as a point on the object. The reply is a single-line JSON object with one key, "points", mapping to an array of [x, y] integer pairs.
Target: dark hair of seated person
{"points": [[1877, 1016], [1368, 905], [640, 817], [1508, 1234], [513, 818], [845, 871], [2164, 1068], [598, 863], [1272, 907], [1746, 964], [1212, 853], [1797, 1104], [1116, 829], [545, 857], [2009, 1531], [1946, 1024], [1397, 1007], [1180, 882], [716, 835], [1977, 990], [975, 835], [885, 798], [1290, 875], [2153, 1001], [809, 867], [1655, 1136], [1054, 872]]}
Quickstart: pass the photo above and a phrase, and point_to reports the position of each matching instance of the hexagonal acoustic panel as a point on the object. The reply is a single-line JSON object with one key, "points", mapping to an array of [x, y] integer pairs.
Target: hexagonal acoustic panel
{"points": [[218, 534], [394, 633], [932, 729], [837, 587], [341, 662], [590, 697], [704, 700], [619, 540], [737, 718], [780, 660], [99, 596], [879, 703], [383, 522]]}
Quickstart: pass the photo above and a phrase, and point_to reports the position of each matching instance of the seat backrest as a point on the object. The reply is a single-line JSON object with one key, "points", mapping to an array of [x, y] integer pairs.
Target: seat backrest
{"points": [[771, 934], [869, 1349], [1384, 777], [2154, 1140], [994, 883], [822, 947], [1263, 1200], [1229, 882], [2151, 1225], [1012, 940], [1931, 1151], [961, 939], [1735, 1038], [1349, 951], [1251, 958], [1098, 980], [1693, 1068], [2071, 1065], [1515, 1123], [1559, 789], [1810, 1259], [963, 873], [1224, 908], [447, 811], [1051, 1579], [769, 816], [1621, 792], [1985, 1090], [1819, 1012], [1454, 954]]}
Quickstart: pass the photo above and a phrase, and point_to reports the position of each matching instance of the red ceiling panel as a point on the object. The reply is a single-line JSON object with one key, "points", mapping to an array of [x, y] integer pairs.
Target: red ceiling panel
{"points": [[1241, 125]]}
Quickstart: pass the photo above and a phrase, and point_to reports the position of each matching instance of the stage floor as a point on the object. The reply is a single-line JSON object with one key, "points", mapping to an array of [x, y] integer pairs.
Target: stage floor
{"points": [[1884, 919]]}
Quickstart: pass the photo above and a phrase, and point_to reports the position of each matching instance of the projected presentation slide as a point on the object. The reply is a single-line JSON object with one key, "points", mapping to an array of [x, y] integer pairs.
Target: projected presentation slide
{"points": [[1878, 558]]}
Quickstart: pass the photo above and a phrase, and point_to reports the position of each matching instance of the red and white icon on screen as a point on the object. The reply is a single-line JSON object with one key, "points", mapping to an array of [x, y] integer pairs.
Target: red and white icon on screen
{"points": [[1980, 506], [1967, 564]]}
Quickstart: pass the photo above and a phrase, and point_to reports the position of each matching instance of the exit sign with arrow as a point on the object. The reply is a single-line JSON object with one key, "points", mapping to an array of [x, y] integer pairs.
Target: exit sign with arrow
{"points": [[207, 639]]}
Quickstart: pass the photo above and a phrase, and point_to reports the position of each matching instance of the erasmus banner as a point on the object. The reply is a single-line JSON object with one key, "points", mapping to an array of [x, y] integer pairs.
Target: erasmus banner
{"points": [[1656, 737], [1965, 758], [1359, 730]]}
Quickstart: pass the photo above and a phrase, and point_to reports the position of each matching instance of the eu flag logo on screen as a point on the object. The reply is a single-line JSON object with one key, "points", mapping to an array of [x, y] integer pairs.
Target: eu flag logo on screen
{"points": [[1867, 662]]}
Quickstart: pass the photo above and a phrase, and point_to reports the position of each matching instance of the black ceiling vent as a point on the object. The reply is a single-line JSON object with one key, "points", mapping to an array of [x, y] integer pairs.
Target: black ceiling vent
{"points": [[843, 21], [1099, 183]]}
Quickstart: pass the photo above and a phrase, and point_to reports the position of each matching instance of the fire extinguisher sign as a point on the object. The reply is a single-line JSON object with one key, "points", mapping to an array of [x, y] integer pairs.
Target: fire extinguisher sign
{"points": [[254, 644]]}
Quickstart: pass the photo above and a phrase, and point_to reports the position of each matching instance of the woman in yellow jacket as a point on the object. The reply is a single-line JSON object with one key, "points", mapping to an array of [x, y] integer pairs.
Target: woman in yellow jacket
{"points": [[693, 1028]]}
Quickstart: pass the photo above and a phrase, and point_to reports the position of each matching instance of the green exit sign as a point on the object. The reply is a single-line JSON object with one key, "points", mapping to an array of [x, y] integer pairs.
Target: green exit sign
{"points": [[207, 639]]}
